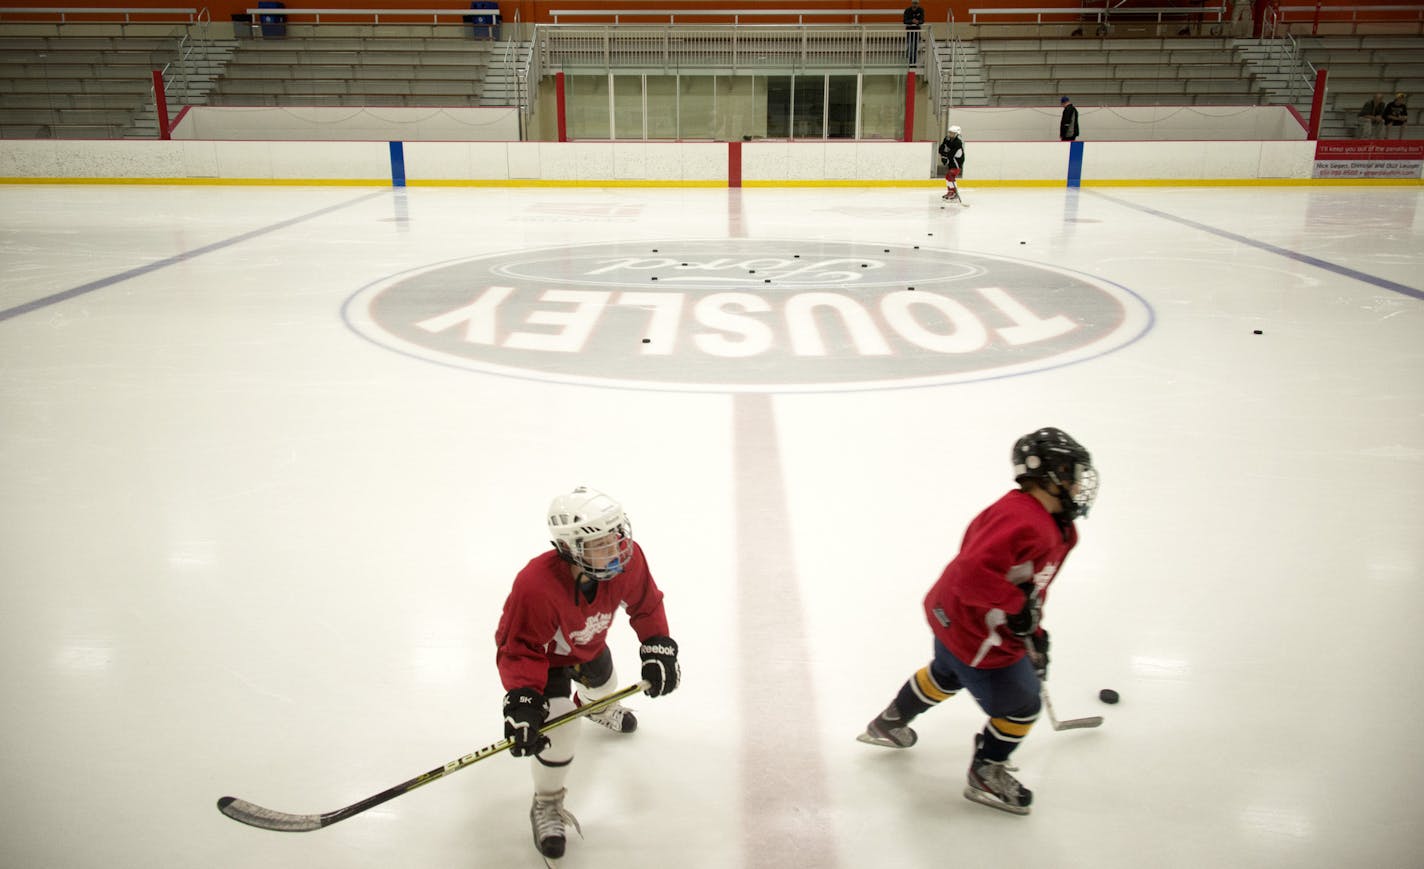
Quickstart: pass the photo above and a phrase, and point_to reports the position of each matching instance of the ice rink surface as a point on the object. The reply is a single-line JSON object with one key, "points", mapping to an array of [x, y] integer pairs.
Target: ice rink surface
{"points": [[271, 457]]}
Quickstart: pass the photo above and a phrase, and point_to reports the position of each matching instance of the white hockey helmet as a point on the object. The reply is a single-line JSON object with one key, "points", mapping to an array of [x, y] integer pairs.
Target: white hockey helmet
{"points": [[591, 532], [954, 130]]}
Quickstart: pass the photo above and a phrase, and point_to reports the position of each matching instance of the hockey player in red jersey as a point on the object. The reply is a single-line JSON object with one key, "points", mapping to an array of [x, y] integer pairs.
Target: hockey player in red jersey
{"points": [[553, 634], [985, 613]]}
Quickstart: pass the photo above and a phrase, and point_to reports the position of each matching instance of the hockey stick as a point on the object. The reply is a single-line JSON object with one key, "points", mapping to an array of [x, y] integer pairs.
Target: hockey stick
{"points": [[268, 819], [1070, 724]]}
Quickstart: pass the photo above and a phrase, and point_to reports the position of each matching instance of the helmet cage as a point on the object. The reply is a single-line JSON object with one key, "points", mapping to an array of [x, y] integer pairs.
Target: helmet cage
{"points": [[1051, 455], [591, 532]]}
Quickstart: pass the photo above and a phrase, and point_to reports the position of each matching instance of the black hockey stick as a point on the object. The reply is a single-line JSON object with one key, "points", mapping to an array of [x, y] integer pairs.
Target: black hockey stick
{"points": [[1070, 724], [268, 819]]}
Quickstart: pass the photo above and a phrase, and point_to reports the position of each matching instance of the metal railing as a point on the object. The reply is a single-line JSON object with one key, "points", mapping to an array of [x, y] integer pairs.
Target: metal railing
{"points": [[722, 47], [1285, 53], [374, 15], [90, 14], [1378, 18], [1102, 17], [794, 16]]}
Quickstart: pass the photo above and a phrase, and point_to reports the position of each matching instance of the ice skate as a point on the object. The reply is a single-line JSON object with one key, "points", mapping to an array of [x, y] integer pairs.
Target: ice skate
{"points": [[617, 718], [889, 730], [548, 818], [991, 784]]}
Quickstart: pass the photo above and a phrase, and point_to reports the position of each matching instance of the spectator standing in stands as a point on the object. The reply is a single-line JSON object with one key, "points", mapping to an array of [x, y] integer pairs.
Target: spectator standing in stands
{"points": [[1068, 124], [1396, 115], [914, 20], [1372, 118]]}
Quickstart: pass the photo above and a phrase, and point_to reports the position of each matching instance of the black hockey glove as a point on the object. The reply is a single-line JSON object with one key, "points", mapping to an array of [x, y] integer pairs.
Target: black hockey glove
{"points": [[661, 670], [525, 711], [1037, 646], [1025, 621]]}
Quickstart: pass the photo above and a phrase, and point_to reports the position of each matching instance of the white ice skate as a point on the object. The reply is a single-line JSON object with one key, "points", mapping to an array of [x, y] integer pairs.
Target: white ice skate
{"points": [[617, 718]]}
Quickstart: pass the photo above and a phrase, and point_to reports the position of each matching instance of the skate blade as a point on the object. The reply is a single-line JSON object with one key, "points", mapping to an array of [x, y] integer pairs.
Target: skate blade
{"points": [[977, 796], [884, 742]]}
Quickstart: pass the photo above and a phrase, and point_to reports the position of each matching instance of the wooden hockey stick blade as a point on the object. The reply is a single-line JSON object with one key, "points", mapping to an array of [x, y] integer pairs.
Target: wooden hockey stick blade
{"points": [[286, 822]]}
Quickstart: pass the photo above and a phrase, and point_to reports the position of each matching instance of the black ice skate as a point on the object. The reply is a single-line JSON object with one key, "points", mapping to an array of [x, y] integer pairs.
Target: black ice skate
{"points": [[548, 818], [889, 730], [991, 784]]}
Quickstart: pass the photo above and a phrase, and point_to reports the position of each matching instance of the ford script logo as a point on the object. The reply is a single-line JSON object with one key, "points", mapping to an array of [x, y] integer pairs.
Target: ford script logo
{"points": [[748, 315]]}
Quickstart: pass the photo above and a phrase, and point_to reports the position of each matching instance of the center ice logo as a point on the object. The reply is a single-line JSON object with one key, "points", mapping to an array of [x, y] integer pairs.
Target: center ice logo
{"points": [[748, 316]]}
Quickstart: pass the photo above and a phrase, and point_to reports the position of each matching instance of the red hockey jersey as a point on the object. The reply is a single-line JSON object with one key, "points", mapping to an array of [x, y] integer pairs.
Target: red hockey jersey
{"points": [[547, 623], [1012, 542]]}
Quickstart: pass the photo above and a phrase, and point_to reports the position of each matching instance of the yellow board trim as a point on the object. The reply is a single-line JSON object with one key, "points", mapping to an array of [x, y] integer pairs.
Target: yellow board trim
{"points": [[719, 184]]}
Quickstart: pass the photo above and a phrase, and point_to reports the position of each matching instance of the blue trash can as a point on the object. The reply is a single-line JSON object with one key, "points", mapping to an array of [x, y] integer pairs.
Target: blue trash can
{"points": [[483, 26], [272, 25]]}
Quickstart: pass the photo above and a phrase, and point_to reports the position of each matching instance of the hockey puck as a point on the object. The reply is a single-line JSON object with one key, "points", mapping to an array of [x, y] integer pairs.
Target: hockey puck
{"points": [[647, 340], [1108, 695], [1256, 332]]}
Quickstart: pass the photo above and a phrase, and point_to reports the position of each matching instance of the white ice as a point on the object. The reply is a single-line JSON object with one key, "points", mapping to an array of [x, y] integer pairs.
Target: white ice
{"points": [[245, 551]]}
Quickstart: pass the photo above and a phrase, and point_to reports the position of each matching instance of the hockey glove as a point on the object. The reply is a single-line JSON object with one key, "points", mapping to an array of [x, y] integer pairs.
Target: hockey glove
{"points": [[1037, 646], [661, 670], [525, 711], [1025, 621]]}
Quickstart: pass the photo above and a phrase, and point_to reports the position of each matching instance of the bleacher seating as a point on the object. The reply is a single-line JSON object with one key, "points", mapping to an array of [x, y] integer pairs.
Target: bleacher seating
{"points": [[431, 70], [76, 86], [1124, 72], [94, 83]]}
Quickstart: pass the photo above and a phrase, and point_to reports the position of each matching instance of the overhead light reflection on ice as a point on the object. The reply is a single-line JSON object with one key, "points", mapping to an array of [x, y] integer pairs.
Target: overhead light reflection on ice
{"points": [[1160, 668], [83, 660]]}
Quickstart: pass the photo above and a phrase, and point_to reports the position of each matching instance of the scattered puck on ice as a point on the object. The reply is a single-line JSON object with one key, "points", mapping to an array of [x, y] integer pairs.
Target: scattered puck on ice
{"points": [[1108, 695], [1255, 331], [654, 277], [1023, 242], [647, 340]]}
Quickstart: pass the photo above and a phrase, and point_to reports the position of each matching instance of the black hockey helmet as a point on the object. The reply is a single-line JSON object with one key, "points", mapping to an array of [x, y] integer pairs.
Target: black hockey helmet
{"points": [[1051, 455]]}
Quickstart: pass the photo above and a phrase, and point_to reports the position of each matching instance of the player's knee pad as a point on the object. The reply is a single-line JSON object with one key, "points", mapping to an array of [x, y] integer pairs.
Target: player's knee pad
{"points": [[562, 740]]}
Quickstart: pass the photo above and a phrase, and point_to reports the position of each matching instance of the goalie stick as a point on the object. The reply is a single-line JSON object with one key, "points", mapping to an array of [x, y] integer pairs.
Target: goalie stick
{"points": [[268, 819], [1070, 724]]}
